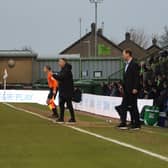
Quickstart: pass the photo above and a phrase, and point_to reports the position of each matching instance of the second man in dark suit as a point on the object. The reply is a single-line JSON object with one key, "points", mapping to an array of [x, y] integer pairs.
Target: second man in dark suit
{"points": [[131, 84]]}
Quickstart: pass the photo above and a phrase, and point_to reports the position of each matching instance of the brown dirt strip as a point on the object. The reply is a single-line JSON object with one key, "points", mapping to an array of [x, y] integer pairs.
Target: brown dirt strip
{"points": [[87, 124], [47, 113]]}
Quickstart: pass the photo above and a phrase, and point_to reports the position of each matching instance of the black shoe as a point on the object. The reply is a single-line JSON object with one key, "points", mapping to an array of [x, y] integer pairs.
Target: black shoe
{"points": [[60, 121], [122, 126], [135, 128], [118, 109], [72, 121]]}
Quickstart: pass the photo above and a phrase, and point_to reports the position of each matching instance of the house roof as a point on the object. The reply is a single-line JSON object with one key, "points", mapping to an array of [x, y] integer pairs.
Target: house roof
{"points": [[132, 43], [56, 57], [75, 43], [153, 46], [87, 35], [17, 53]]}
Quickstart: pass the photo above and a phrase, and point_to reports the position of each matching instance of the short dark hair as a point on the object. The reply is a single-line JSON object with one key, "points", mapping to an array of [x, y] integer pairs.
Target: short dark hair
{"points": [[128, 51], [48, 67], [64, 59]]}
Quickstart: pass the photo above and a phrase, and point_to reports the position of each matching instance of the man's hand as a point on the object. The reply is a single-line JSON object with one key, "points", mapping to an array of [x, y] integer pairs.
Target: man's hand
{"points": [[135, 91]]}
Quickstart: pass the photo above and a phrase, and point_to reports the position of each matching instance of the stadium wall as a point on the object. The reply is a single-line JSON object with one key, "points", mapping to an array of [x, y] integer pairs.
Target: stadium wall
{"points": [[99, 105]]}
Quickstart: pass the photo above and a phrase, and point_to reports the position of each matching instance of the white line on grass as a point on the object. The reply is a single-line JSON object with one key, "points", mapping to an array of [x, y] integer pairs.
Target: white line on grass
{"points": [[126, 145]]}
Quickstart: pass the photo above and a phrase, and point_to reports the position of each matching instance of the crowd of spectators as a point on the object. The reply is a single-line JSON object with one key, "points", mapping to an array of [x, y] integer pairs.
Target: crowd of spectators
{"points": [[154, 81], [113, 89]]}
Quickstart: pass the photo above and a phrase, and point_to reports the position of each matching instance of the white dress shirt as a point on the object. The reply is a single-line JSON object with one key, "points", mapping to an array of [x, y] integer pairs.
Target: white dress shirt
{"points": [[127, 64]]}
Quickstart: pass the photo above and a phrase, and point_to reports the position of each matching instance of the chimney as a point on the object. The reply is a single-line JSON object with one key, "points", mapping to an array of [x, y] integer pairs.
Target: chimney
{"points": [[93, 27], [154, 41], [100, 31], [127, 36]]}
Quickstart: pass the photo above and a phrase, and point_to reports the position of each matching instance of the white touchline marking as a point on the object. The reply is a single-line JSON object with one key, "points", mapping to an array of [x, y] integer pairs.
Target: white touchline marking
{"points": [[126, 145]]}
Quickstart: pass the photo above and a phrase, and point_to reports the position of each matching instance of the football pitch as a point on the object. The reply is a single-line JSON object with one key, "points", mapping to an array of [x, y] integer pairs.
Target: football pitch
{"points": [[33, 141]]}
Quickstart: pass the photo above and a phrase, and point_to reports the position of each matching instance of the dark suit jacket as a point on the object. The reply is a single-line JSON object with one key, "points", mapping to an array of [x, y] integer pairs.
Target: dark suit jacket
{"points": [[131, 78], [65, 79]]}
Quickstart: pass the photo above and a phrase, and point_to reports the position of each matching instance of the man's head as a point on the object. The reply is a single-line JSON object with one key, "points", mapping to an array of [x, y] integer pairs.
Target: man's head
{"points": [[62, 62], [127, 54], [47, 68]]}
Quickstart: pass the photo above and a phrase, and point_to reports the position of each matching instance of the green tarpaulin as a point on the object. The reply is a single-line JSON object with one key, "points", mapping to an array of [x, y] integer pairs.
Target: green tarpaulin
{"points": [[103, 50]]}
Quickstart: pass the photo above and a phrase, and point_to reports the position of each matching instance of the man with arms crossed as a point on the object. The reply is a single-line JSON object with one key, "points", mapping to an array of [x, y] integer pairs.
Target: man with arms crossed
{"points": [[131, 84]]}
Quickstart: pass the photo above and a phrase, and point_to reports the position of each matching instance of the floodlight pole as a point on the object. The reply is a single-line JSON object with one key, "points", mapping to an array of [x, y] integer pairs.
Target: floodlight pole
{"points": [[80, 27], [96, 29], [80, 36], [96, 2]]}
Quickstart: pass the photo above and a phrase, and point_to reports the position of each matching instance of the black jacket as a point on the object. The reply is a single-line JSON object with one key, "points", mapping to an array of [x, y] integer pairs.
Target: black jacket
{"points": [[131, 79], [65, 79]]}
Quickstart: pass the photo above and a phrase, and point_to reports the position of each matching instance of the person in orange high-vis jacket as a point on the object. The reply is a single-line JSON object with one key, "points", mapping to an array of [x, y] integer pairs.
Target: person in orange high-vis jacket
{"points": [[53, 86]]}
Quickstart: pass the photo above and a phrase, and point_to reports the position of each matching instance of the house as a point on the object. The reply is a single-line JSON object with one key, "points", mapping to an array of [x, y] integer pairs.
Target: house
{"points": [[154, 49], [86, 45], [24, 67], [137, 50]]}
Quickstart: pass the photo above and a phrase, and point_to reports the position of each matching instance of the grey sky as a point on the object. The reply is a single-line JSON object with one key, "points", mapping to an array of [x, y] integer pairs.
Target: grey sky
{"points": [[48, 26]]}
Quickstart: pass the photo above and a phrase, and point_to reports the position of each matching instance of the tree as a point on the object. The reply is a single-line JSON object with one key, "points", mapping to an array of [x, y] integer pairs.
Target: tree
{"points": [[164, 38], [139, 37]]}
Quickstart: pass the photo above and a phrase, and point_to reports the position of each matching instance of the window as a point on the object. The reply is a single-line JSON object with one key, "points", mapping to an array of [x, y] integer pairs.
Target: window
{"points": [[84, 73], [97, 74]]}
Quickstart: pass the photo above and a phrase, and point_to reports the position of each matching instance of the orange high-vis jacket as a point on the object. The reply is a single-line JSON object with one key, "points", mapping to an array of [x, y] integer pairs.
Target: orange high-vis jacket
{"points": [[52, 83]]}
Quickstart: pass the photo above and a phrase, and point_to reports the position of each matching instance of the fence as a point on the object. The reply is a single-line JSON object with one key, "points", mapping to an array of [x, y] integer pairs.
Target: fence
{"points": [[85, 68], [100, 105]]}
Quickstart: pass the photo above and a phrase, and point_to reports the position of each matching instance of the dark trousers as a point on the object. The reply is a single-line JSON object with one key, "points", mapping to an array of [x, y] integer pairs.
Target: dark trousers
{"points": [[68, 101], [129, 103], [51, 98]]}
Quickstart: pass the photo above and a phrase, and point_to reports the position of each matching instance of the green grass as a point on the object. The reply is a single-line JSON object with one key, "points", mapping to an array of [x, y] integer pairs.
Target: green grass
{"points": [[29, 142], [153, 139]]}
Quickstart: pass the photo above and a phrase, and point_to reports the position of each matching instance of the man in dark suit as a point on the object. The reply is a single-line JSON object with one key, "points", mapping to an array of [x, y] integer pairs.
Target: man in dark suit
{"points": [[66, 89], [131, 85]]}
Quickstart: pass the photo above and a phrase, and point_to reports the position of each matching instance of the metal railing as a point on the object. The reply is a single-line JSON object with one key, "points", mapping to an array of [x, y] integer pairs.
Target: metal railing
{"points": [[116, 76]]}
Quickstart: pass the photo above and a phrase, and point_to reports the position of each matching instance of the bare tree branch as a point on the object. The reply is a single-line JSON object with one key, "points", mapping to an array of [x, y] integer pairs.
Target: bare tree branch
{"points": [[164, 37], [139, 37]]}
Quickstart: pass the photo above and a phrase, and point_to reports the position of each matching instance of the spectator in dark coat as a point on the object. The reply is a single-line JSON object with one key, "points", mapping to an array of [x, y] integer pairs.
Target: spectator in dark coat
{"points": [[115, 90], [163, 97], [106, 89]]}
